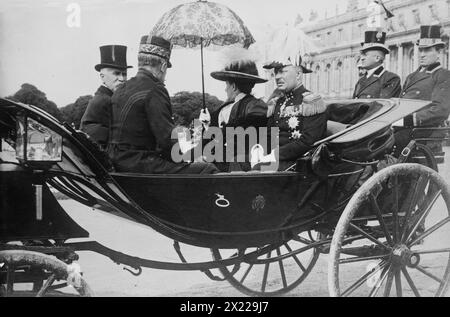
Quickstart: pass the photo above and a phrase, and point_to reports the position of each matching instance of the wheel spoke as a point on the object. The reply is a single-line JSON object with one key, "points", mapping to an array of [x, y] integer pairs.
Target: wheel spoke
{"points": [[387, 289], [380, 281], [361, 259], [411, 202], [246, 274], [398, 283], [367, 235], [283, 275], [9, 279], [295, 258], [433, 251], [266, 273], [421, 269], [363, 279], [46, 285], [430, 231], [379, 215], [395, 211], [423, 215], [410, 282]]}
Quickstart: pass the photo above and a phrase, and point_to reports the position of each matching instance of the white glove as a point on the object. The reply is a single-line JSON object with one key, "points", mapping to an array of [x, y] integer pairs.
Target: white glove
{"points": [[257, 156], [205, 117], [185, 145]]}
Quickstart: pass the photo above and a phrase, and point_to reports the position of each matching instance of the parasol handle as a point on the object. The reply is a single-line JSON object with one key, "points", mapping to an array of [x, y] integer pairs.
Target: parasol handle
{"points": [[203, 77]]}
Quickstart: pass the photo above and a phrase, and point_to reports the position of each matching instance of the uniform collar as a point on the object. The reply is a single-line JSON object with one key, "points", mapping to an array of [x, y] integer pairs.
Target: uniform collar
{"points": [[433, 67], [377, 71], [296, 92], [146, 73]]}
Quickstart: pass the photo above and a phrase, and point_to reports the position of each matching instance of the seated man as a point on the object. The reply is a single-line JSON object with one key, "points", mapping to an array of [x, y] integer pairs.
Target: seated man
{"points": [[430, 82], [142, 128], [241, 109], [113, 72], [299, 114]]}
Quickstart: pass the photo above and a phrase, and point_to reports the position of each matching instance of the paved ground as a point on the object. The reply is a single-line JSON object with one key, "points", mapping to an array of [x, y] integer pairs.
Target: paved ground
{"points": [[109, 279]]}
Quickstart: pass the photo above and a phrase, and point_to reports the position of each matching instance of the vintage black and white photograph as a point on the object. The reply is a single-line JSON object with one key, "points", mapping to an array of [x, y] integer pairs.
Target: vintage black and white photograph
{"points": [[230, 149]]}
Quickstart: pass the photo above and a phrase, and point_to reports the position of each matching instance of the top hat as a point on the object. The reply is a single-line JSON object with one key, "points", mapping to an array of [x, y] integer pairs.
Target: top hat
{"points": [[430, 35], [288, 62], [374, 40], [113, 56], [157, 46], [242, 70]]}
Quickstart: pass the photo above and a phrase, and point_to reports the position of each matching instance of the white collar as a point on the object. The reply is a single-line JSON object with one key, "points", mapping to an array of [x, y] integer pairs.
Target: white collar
{"points": [[239, 97], [370, 72]]}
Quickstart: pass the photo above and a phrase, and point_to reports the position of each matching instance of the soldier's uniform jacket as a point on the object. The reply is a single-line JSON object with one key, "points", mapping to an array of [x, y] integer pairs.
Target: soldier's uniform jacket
{"points": [[432, 83], [302, 120], [96, 119], [382, 84]]}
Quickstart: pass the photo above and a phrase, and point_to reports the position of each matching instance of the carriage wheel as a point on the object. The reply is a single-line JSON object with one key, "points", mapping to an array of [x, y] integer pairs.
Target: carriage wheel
{"points": [[269, 275], [405, 242], [28, 273], [422, 154]]}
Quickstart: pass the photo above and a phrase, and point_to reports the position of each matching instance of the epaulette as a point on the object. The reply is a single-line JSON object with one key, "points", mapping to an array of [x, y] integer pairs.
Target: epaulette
{"points": [[313, 104]]}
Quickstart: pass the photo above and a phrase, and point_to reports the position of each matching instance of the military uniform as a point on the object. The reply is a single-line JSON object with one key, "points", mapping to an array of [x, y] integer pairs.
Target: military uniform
{"points": [[96, 119], [302, 120], [432, 83], [382, 84], [142, 128]]}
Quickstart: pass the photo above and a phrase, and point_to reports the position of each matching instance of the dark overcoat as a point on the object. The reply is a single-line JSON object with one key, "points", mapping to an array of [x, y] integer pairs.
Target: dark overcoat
{"points": [[96, 119], [302, 120], [382, 84]]}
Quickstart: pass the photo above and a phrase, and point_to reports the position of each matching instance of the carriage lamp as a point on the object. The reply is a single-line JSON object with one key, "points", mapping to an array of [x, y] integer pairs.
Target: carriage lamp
{"points": [[37, 144]]}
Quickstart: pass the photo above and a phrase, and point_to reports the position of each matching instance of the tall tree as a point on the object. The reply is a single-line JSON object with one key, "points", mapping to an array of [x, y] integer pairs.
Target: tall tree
{"points": [[31, 95], [73, 112]]}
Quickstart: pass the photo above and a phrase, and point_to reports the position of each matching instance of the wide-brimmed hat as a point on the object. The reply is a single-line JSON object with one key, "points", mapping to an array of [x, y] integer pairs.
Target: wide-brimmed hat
{"points": [[374, 40], [157, 46], [113, 56], [288, 62], [242, 70], [430, 35]]}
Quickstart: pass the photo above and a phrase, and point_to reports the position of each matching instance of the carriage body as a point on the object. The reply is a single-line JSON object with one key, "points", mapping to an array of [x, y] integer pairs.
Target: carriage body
{"points": [[225, 211]]}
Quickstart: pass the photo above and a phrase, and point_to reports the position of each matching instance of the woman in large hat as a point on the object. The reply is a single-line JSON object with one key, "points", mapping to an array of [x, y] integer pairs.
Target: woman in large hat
{"points": [[241, 109]]}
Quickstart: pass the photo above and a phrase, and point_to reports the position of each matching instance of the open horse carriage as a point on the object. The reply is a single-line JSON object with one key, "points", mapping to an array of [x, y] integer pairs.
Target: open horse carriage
{"points": [[380, 213]]}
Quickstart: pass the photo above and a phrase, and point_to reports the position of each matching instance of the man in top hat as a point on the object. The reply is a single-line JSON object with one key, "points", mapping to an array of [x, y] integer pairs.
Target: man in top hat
{"points": [[299, 114], [361, 70], [378, 82], [429, 82], [142, 125], [113, 72], [241, 109]]}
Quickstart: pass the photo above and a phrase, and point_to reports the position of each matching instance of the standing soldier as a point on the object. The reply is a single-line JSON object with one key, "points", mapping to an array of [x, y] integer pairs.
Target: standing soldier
{"points": [[113, 72], [429, 82], [378, 82]]}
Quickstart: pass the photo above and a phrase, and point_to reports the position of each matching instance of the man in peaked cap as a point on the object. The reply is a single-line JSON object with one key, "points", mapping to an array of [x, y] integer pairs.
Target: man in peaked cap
{"points": [[429, 82], [299, 114], [378, 82], [142, 125], [113, 72]]}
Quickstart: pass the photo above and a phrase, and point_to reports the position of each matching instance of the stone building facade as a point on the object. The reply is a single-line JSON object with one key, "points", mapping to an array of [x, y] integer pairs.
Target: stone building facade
{"points": [[340, 37]]}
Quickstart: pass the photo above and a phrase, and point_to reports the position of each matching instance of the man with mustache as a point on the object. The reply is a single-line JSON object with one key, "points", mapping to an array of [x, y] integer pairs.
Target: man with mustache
{"points": [[429, 82], [299, 114], [113, 72]]}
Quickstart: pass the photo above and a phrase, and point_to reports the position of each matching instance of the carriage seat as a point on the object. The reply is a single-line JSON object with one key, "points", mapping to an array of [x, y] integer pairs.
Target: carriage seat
{"points": [[334, 127]]}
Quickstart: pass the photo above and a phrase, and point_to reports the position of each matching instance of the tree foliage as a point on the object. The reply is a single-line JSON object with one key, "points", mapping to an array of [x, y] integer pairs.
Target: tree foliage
{"points": [[73, 112], [187, 105], [30, 95]]}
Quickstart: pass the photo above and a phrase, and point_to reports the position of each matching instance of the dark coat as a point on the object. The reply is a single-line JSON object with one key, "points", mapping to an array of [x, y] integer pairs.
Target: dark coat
{"points": [[248, 112], [96, 119], [432, 84], [382, 84], [141, 131], [312, 124]]}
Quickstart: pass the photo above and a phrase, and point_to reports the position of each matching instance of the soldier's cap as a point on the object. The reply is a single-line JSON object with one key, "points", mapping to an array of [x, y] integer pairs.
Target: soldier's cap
{"points": [[288, 62], [374, 40], [430, 35], [157, 46]]}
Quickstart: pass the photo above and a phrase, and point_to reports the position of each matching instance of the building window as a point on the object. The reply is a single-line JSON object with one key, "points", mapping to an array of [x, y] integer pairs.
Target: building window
{"points": [[317, 79], [327, 79], [339, 79]]}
